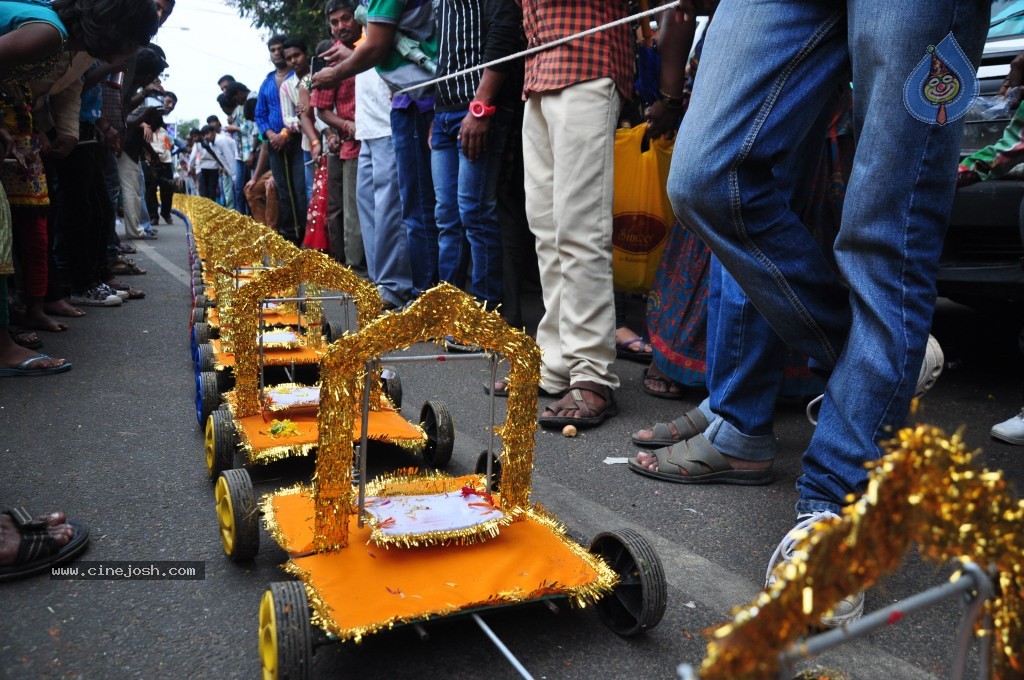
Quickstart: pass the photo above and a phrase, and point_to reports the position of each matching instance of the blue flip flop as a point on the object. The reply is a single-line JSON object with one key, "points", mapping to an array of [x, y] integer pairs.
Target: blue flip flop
{"points": [[24, 369]]}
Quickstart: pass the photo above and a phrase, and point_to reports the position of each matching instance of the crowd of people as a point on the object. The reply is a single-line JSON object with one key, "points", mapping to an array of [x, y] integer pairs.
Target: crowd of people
{"points": [[780, 277]]}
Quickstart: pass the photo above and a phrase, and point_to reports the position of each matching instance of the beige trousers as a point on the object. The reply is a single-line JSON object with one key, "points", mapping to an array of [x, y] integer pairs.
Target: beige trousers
{"points": [[568, 144]]}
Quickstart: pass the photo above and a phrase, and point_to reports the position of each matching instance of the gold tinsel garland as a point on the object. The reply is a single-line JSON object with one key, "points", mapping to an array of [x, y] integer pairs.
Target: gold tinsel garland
{"points": [[440, 311], [927, 489], [308, 266]]}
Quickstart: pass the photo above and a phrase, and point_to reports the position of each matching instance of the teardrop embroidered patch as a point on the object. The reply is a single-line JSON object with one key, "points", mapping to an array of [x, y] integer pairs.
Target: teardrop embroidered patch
{"points": [[943, 85]]}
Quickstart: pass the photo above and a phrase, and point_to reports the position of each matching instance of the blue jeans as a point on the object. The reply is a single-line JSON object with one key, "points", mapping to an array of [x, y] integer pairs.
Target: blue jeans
{"points": [[409, 130], [467, 206], [869, 323], [308, 165], [745, 362], [241, 177], [385, 243]]}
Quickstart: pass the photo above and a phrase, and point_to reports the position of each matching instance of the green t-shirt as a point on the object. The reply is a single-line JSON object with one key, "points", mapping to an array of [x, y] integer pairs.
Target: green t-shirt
{"points": [[412, 18]]}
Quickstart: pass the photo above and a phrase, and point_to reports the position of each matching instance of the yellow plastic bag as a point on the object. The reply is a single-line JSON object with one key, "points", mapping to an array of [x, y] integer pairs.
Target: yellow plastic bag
{"points": [[641, 209]]}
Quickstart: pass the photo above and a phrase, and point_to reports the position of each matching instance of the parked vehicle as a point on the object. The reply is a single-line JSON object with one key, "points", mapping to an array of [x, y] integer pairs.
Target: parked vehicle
{"points": [[982, 262]]}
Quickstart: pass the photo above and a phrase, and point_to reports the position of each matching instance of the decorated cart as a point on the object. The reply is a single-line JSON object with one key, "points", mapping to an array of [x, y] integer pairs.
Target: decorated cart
{"points": [[410, 547]]}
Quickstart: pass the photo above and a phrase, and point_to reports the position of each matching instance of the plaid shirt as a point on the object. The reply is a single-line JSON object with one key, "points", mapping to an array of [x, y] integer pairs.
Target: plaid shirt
{"points": [[607, 54]]}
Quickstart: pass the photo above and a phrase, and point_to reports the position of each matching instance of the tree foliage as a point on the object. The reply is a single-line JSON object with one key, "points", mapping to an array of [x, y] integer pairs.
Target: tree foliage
{"points": [[185, 126], [302, 19]]}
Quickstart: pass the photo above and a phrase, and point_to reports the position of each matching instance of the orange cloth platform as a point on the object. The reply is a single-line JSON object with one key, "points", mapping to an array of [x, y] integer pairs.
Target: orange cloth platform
{"points": [[364, 588], [259, 446], [272, 356]]}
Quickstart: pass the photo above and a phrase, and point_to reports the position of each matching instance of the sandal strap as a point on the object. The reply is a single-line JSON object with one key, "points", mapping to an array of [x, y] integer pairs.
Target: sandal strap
{"points": [[24, 520], [35, 541], [690, 424], [574, 399], [697, 456]]}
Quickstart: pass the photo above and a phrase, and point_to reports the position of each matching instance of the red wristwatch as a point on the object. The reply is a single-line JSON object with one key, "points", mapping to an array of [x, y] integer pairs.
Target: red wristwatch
{"points": [[481, 110]]}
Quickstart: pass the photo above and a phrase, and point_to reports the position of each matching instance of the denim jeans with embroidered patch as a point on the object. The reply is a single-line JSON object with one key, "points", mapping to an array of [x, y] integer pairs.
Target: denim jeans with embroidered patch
{"points": [[469, 236], [766, 71]]}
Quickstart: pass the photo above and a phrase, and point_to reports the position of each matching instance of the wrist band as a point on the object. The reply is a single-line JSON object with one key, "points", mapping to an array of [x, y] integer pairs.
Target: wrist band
{"points": [[480, 110]]}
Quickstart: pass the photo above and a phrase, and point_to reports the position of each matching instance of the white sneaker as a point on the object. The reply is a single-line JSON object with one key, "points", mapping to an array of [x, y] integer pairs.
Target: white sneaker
{"points": [[847, 610], [1010, 431], [110, 290], [95, 297], [931, 369]]}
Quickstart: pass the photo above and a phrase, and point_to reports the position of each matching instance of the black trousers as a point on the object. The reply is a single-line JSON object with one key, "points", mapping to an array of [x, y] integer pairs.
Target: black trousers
{"points": [[159, 176], [84, 215], [209, 183]]}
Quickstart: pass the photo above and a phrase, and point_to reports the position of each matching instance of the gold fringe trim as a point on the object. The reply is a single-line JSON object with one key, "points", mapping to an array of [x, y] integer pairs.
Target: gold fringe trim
{"points": [[465, 536], [266, 505]]}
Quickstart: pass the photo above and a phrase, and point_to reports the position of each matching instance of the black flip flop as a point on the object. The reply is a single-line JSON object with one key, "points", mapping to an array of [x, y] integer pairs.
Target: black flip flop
{"points": [[36, 551]]}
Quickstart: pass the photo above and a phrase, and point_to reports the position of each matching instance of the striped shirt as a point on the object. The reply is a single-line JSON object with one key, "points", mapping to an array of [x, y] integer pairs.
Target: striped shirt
{"points": [[607, 54], [474, 32]]}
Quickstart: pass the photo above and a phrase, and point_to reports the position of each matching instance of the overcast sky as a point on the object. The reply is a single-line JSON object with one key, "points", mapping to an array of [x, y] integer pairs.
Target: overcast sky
{"points": [[205, 39]]}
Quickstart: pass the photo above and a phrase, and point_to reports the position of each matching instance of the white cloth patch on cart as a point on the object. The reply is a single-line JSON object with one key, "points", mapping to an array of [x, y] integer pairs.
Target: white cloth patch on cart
{"points": [[285, 338], [284, 397], [429, 514]]}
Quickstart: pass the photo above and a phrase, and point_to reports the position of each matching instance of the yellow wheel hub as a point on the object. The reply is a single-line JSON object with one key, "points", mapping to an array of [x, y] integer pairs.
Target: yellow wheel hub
{"points": [[210, 443], [268, 637], [225, 515]]}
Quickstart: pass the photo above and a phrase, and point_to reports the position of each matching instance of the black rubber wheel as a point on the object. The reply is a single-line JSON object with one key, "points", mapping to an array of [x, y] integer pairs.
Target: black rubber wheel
{"points": [[202, 331], [639, 600], [225, 380], [237, 515], [198, 315], [204, 357], [286, 635], [481, 469], [207, 395], [220, 443], [440, 429], [392, 384], [333, 331]]}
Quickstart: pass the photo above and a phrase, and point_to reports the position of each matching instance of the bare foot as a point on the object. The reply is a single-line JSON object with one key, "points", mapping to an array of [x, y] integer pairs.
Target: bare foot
{"points": [[10, 537], [62, 308], [629, 342], [657, 384], [12, 355], [36, 318]]}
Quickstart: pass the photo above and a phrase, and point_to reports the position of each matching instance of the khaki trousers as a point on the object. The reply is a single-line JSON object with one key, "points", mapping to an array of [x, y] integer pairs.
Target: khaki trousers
{"points": [[568, 144], [263, 202]]}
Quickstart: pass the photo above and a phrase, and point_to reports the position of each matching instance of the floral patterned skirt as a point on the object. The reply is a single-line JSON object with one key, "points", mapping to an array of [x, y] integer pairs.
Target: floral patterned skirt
{"points": [[316, 237]]}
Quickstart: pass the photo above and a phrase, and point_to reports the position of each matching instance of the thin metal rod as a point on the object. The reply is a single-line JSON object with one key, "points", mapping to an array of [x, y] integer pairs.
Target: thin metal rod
{"points": [[501, 647], [438, 357], [490, 440], [546, 46], [970, 580], [370, 370], [975, 604], [310, 298], [259, 339]]}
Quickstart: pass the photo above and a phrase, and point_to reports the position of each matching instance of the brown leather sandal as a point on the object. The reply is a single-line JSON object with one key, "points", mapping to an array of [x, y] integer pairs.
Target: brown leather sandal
{"points": [[591, 415]]}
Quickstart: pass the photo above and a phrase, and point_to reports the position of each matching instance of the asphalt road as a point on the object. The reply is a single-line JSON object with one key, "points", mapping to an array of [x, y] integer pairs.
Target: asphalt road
{"points": [[114, 443]]}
